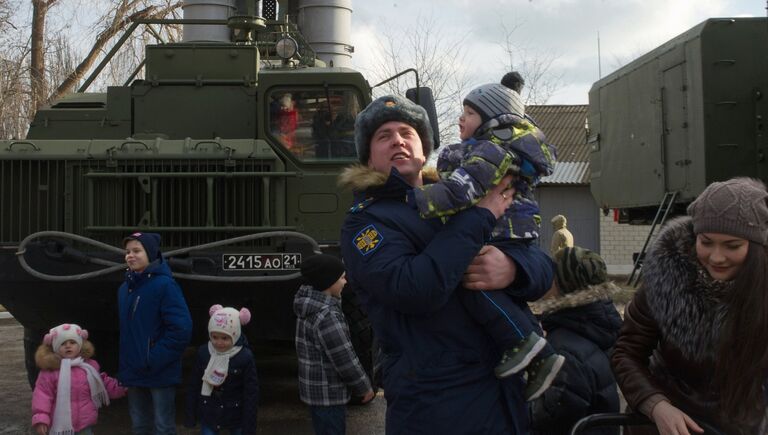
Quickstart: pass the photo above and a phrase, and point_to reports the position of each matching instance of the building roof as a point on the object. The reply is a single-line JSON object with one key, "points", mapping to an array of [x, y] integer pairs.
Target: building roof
{"points": [[565, 127], [568, 173]]}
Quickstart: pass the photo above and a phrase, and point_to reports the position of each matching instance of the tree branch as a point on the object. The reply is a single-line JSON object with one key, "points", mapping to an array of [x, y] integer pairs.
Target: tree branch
{"points": [[119, 23]]}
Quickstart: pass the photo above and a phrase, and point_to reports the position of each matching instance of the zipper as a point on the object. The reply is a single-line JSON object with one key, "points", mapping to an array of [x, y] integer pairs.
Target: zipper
{"points": [[135, 306]]}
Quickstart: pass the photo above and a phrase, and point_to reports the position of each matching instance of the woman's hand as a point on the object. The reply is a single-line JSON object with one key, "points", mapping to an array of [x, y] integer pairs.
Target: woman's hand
{"points": [[41, 429], [672, 421], [498, 199]]}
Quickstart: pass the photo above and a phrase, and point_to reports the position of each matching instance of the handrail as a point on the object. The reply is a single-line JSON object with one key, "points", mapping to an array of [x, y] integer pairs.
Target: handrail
{"points": [[130, 31], [167, 21], [22, 142]]}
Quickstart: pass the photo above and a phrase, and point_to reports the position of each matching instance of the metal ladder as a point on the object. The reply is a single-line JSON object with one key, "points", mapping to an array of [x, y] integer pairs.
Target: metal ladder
{"points": [[661, 216]]}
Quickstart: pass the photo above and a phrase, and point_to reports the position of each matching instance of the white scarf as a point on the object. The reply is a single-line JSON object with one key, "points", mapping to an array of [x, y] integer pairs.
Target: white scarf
{"points": [[218, 366], [62, 416]]}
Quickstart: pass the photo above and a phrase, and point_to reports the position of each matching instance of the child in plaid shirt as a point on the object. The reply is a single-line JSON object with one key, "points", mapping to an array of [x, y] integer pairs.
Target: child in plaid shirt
{"points": [[328, 364]]}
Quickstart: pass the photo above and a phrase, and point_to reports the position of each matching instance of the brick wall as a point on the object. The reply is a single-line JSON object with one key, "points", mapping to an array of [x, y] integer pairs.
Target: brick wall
{"points": [[618, 242]]}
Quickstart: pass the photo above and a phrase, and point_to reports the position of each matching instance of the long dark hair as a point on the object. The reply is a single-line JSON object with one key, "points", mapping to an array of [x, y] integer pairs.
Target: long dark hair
{"points": [[742, 363]]}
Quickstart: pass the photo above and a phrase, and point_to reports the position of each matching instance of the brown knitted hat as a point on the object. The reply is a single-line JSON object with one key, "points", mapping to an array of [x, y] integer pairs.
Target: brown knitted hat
{"points": [[738, 207]]}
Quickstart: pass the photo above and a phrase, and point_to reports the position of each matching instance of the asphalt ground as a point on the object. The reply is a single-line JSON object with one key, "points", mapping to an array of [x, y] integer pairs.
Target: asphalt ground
{"points": [[280, 410]]}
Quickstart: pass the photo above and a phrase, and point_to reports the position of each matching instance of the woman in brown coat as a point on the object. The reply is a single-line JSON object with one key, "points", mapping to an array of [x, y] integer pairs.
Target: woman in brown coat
{"points": [[695, 337]]}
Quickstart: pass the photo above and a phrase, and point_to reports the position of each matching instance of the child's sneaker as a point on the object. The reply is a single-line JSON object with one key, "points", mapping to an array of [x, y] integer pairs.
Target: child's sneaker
{"points": [[515, 359], [541, 374]]}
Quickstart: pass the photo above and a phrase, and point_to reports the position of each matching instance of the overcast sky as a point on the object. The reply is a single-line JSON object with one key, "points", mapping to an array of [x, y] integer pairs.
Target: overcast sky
{"points": [[567, 28]]}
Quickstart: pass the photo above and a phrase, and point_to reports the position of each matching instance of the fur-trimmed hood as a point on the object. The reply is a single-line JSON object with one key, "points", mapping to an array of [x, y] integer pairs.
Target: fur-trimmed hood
{"points": [[359, 178], [592, 293], [682, 298], [47, 359], [590, 313]]}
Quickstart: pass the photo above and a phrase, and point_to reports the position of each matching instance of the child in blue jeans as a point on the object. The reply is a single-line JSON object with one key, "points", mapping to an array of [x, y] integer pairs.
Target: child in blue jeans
{"points": [[498, 139], [155, 328]]}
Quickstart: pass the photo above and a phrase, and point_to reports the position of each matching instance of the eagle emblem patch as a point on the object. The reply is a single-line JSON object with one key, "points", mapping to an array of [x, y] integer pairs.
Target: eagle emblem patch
{"points": [[368, 240]]}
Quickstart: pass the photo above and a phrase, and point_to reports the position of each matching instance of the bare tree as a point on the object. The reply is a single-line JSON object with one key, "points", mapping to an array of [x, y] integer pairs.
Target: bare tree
{"points": [[34, 59], [38, 84], [535, 65], [14, 93], [436, 55], [123, 14]]}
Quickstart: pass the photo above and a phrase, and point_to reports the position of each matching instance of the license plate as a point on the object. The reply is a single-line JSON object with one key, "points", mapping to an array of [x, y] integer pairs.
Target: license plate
{"points": [[285, 261]]}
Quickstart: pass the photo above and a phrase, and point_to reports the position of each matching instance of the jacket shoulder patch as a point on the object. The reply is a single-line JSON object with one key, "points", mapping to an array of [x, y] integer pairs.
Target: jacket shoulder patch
{"points": [[368, 240]]}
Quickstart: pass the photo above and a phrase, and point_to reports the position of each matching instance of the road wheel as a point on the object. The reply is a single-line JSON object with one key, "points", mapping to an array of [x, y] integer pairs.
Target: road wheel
{"points": [[363, 339]]}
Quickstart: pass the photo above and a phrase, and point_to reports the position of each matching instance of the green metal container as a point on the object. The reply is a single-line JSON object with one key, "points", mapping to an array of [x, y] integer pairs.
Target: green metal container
{"points": [[688, 113]]}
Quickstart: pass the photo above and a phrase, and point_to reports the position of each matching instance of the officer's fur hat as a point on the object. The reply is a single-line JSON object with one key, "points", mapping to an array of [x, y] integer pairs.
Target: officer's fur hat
{"points": [[391, 108]]}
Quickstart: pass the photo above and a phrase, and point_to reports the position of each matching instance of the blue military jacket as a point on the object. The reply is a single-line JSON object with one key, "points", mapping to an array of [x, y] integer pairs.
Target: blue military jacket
{"points": [[438, 363]]}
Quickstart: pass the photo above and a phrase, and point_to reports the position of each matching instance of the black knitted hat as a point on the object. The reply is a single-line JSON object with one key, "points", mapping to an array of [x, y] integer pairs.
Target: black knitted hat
{"points": [[390, 108], [321, 271]]}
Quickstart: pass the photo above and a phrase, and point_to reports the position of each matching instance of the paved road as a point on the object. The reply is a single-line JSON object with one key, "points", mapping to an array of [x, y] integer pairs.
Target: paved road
{"points": [[280, 411]]}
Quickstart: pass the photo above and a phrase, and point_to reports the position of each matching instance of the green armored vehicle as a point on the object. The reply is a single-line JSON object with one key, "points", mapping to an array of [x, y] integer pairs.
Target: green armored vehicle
{"points": [[688, 113], [229, 148]]}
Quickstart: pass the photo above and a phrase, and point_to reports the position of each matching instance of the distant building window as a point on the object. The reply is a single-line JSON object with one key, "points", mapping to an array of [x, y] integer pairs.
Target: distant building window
{"points": [[315, 125]]}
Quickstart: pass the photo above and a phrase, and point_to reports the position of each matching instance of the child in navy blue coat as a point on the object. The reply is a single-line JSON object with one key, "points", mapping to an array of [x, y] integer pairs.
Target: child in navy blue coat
{"points": [[155, 328], [223, 392]]}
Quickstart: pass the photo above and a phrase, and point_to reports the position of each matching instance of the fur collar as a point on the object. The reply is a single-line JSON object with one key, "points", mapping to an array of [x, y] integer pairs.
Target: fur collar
{"points": [[46, 359], [593, 293], [359, 178], [681, 296]]}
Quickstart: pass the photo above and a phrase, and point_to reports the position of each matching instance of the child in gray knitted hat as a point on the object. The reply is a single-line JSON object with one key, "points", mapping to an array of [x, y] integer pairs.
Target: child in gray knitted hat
{"points": [[498, 139]]}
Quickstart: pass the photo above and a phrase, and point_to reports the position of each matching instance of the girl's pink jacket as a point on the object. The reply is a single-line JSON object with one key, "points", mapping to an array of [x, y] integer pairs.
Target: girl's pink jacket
{"points": [[84, 411]]}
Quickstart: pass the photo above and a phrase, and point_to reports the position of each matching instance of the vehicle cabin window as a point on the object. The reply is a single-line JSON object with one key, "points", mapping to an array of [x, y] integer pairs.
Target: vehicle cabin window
{"points": [[315, 125]]}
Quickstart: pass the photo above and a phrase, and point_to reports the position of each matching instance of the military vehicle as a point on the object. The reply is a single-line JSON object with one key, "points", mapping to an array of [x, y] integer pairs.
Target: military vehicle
{"points": [[690, 112], [229, 147]]}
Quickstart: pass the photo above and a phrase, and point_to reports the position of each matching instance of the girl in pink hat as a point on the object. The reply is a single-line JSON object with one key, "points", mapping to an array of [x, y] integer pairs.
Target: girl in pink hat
{"points": [[69, 389]]}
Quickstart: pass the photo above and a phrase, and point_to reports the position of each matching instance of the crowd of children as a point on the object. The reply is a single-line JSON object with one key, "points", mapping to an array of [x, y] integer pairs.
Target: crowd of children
{"points": [[223, 389]]}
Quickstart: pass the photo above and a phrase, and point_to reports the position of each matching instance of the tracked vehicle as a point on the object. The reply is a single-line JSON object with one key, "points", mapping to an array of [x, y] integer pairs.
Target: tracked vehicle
{"points": [[229, 147]]}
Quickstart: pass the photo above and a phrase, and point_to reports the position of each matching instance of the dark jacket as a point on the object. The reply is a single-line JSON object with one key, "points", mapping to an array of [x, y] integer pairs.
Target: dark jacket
{"points": [[675, 321], [232, 404], [582, 326], [437, 362], [328, 364], [155, 328]]}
